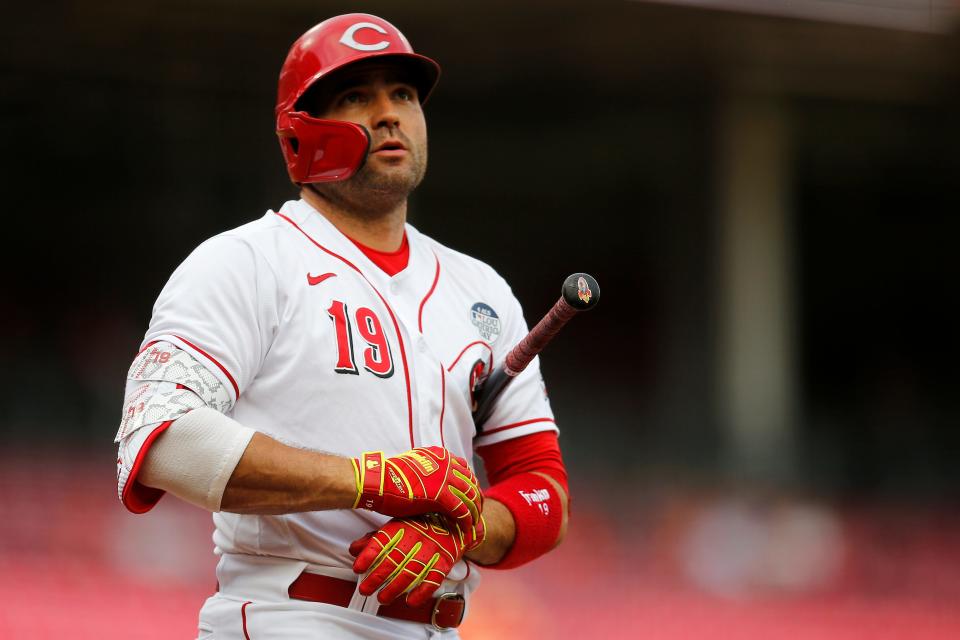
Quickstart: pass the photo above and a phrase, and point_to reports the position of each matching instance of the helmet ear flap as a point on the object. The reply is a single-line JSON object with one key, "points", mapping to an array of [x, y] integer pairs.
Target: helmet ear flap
{"points": [[318, 150]]}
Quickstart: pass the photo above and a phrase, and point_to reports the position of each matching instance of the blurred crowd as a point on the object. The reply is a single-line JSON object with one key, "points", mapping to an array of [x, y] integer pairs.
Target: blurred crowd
{"points": [[673, 565]]}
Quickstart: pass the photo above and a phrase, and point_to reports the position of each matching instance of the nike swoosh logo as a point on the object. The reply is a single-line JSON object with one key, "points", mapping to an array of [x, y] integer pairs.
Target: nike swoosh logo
{"points": [[315, 280]]}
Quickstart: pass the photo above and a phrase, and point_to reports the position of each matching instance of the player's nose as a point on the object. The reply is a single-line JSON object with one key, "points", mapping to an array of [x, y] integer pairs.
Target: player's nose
{"points": [[385, 112]]}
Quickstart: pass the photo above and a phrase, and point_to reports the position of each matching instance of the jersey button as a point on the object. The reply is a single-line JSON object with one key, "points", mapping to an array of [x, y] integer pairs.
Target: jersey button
{"points": [[422, 345], [394, 287]]}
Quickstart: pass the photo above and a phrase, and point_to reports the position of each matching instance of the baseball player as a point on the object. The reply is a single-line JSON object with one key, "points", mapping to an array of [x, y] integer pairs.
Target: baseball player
{"points": [[310, 379]]}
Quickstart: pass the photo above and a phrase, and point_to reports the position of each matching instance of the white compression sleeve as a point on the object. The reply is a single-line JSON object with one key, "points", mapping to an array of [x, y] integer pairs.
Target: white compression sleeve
{"points": [[195, 457]]}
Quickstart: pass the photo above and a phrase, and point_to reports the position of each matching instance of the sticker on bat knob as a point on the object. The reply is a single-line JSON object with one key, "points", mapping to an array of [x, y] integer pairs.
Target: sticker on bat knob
{"points": [[580, 291], [583, 290]]}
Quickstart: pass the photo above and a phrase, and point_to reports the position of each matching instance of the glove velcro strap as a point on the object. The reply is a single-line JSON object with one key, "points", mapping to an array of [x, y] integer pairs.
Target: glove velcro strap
{"points": [[371, 477]]}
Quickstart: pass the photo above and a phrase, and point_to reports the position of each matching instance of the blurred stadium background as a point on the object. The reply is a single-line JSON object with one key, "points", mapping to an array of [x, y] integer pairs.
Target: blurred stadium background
{"points": [[761, 418]]}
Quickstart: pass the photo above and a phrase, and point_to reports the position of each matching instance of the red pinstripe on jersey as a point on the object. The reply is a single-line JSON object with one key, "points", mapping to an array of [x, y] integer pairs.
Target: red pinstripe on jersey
{"points": [[472, 344], [236, 389], [393, 318], [243, 616], [436, 278], [443, 400]]}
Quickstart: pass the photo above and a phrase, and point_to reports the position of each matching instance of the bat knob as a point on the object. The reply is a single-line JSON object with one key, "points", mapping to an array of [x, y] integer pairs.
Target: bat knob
{"points": [[581, 291]]}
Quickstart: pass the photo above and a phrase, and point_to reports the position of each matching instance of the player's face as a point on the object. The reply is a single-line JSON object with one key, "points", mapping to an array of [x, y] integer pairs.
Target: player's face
{"points": [[382, 98]]}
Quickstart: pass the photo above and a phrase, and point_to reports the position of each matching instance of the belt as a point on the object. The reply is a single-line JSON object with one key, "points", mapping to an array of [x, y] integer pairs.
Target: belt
{"points": [[444, 612]]}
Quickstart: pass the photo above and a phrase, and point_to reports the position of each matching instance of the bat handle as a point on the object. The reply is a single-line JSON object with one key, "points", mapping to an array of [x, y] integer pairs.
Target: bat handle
{"points": [[521, 355], [580, 292], [491, 389], [538, 338]]}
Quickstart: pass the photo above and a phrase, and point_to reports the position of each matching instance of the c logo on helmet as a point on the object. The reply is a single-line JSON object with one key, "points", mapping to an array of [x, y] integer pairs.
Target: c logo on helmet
{"points": [[348, 39]]}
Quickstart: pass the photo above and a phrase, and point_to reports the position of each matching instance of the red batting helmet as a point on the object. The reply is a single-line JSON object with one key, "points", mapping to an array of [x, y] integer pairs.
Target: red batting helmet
{"points": [[318, 150]]}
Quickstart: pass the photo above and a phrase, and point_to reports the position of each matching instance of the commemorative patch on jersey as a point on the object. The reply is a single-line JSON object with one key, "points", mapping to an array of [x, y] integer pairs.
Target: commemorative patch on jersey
{"points": [[486, 320]]}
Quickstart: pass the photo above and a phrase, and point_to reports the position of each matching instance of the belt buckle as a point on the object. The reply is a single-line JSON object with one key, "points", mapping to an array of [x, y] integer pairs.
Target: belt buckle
{"points": [[436, 609]]}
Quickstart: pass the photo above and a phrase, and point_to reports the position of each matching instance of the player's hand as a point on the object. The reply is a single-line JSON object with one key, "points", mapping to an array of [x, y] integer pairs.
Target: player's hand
{"points": [[423, 480], [408, 556]]}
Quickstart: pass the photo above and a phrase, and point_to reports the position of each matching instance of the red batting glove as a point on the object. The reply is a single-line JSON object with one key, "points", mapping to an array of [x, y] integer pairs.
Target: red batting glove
{"points": [[423, 480], [408, 556]]}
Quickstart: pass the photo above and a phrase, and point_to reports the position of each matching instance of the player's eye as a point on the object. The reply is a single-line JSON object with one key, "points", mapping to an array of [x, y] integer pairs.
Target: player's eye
{"points": [[352, 98], [406, 94]]}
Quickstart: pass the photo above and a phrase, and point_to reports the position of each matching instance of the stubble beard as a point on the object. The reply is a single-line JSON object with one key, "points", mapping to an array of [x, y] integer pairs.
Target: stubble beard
{"points": [[377, 190]]}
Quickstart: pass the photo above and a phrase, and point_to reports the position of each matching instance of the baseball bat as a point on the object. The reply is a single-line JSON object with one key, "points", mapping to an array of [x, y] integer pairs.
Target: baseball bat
{"points": [[580, 292]]}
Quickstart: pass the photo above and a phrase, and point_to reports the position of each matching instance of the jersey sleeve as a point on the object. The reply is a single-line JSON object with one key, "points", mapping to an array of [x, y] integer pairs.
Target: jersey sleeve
{"points": [[523, 407], [221, 306]]}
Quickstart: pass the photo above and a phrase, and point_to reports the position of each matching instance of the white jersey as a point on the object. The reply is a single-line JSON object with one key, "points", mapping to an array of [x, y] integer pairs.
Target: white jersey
{"points": [[321, 349]]}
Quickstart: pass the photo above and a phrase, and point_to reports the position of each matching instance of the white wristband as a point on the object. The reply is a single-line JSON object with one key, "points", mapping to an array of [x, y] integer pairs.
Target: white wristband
{"points": [[195, 457]]}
